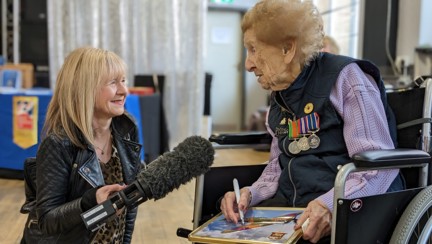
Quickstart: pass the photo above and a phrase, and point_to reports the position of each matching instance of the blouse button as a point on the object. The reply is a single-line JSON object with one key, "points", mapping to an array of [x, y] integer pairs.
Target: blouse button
{"points": [[86, 170]]}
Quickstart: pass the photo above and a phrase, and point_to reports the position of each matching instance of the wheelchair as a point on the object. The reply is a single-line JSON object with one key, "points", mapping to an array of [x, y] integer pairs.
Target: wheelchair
{"points": [[395, 217]]}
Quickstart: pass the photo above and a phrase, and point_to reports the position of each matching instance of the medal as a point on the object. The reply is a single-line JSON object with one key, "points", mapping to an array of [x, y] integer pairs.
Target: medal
{"points": [[292, 134], [313, 141], [280, 131], [303, 144], [293, 148]]}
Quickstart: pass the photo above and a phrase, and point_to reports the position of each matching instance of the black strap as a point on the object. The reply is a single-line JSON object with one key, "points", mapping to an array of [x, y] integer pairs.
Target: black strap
{"points": [[419, 80]]}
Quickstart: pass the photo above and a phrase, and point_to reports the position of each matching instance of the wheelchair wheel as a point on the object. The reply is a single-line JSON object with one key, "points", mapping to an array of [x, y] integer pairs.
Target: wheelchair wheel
{"points": [[415, 224]]}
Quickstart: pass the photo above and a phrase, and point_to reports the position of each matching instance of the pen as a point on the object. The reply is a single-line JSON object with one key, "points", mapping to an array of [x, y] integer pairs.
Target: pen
{"points": [[237, 194]]}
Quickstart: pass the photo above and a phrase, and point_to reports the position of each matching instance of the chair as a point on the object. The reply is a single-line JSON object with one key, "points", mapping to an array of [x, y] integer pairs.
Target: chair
{"points": [[29, 172], [397, 217], [155, 81]]}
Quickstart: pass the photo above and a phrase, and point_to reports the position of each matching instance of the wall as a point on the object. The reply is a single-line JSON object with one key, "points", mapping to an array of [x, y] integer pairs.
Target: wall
{"points": [[414, 27], [378, 25], [425, 24], [227, 116], [408, 31], [222, 60]]}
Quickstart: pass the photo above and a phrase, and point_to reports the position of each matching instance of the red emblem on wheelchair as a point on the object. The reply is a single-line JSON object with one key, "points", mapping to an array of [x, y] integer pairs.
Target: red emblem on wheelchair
{"points": [[356, 205]]}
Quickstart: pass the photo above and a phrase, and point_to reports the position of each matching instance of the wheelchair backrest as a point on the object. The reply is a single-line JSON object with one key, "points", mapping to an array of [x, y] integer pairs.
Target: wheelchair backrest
{"points": [[407, 105]]}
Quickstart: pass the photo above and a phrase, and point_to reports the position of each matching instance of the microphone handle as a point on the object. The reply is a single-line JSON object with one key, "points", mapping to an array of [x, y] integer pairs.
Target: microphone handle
{"points": [[132, 196], [97, 216]]}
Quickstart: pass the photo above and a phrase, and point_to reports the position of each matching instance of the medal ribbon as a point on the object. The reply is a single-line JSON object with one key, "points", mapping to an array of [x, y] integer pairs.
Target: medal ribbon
{"points": [[314, 122], [304, 125], [295, 128], [289, 129]]}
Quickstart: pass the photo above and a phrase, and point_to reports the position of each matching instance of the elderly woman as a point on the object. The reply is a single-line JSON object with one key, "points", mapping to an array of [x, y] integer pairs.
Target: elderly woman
{"points": [[89, 151], [324, 108]]}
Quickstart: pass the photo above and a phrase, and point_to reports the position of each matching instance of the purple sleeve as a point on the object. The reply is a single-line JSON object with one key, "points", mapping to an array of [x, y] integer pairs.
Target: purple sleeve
{"points": [[266, 185], [356, 98]]}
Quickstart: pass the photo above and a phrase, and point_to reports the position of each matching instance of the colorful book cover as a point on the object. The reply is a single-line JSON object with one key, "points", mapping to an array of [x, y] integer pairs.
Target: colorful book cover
{"points": [[262, 225]]}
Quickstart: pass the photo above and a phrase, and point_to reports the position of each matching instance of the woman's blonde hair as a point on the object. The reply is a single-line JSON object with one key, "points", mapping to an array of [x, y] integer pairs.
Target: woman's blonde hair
{"points": [[330, 44], [84, 72], [276, 22]]}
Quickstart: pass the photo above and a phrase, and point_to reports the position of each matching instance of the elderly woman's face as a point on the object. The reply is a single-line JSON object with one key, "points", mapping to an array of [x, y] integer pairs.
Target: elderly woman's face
{"points": [[267, 62]]}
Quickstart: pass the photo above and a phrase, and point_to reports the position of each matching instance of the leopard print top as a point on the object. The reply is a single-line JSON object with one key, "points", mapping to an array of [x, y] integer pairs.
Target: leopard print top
{"points": [[113, 230]]}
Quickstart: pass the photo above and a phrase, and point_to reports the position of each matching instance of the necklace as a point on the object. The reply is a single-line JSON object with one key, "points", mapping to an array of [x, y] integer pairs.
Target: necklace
{"points": [[103, 149]]}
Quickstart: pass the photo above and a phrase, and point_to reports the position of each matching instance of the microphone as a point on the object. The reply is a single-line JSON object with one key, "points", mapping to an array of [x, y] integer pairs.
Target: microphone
{"points": [[189, 159]]}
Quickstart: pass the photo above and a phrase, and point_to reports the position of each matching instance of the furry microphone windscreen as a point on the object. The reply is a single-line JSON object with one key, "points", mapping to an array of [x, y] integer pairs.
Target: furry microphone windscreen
{"points": [[189, 159]]}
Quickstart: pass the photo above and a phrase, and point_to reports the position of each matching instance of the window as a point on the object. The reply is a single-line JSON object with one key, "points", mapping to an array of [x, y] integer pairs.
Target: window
{"points": [[341, 21]]}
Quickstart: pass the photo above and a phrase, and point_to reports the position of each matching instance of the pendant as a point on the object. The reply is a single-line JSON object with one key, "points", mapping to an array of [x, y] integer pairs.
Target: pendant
{"points": [[293, 148], [314, 141], [303, 144]]}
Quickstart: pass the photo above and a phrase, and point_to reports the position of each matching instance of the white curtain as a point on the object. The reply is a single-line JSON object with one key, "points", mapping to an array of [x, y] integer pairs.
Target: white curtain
{"points": [[153, 37]]}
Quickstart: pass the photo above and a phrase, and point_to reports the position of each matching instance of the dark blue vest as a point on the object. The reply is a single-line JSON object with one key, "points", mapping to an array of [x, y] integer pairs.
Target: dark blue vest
{"points": [[311, 173]]}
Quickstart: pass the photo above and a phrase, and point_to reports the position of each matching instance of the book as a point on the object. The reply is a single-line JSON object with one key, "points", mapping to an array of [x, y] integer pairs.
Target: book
{"points": [[263, 225]]}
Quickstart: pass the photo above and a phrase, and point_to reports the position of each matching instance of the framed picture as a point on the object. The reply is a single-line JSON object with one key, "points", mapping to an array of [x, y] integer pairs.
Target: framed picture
{"points": [[10, 78], [262, 225]]}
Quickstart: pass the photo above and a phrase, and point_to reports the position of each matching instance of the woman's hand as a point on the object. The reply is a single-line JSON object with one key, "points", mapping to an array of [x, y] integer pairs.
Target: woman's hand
{"points": [[229, 205], [319, 221], [103, 193]]}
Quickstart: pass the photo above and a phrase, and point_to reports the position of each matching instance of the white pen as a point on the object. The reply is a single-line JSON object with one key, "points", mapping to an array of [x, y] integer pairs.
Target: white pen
{"points": [[237, 194]]}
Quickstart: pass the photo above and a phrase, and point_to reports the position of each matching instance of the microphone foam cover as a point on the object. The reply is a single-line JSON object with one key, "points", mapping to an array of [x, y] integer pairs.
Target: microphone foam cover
{"points": [[189, 159]]}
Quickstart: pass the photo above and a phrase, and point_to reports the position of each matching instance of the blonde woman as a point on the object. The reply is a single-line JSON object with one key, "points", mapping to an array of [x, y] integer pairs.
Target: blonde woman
{"points": [[89, 151]]}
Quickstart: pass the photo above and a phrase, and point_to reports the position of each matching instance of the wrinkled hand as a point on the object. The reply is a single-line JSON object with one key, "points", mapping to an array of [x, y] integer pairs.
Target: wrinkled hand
{"points": [[229, 205], [319, 221]]}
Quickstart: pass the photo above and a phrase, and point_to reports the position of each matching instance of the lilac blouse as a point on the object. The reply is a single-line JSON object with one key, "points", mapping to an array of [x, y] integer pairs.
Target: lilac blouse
{"points": [[356, 99]]}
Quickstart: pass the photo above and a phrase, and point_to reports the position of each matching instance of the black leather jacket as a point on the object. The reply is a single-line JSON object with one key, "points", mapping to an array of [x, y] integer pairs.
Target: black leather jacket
{"points": [[65, 172]]}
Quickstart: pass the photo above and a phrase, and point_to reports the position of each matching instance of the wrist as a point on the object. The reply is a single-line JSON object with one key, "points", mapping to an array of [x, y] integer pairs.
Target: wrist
{"points": [[88, 199], [248, 194], [321, 203]]}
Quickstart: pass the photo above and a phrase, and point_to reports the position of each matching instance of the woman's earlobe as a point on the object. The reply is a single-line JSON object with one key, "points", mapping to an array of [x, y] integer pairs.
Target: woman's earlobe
{"points": [[289, 52], [288, 56]]}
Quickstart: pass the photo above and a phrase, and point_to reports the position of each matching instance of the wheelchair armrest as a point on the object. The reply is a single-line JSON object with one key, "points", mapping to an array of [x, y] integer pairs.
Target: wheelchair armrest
{"points": [[385, 158], [249, 137]]}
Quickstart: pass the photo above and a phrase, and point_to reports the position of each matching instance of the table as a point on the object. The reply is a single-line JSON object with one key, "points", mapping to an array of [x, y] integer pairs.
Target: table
{"points": [[145, 109], [11, 155]]}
